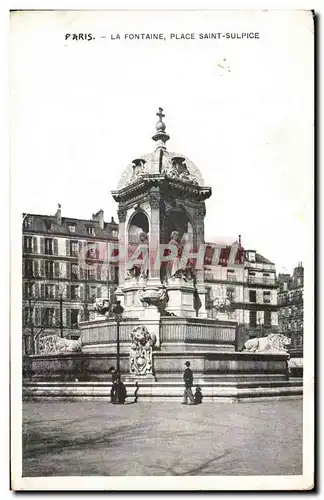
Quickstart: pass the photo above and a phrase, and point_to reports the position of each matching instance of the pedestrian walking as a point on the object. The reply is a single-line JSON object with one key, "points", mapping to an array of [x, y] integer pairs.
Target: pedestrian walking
{"points": [[198, 395], [114, 381], [121, 392], [188, 381]]}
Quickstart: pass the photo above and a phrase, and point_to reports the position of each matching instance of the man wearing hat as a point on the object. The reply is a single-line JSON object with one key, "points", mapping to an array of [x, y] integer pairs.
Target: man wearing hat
{"points": [[188, 380]]}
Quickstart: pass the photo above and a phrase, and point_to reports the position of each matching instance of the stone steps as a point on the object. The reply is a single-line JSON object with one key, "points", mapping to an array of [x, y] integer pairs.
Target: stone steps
{"points": [[158, 391]]}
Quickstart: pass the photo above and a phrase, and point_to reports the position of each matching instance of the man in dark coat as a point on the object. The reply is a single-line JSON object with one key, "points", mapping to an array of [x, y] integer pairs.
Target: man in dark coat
{"points": [[188, 381], [114, 380]]}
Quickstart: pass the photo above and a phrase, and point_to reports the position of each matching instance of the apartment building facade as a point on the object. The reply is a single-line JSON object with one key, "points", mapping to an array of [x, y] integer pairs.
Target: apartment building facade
{"points": [[250, 287], [291, 308], [63, 273]]}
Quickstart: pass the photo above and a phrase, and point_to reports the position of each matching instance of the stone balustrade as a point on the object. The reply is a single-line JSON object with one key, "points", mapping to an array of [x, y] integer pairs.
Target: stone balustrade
{"points": [[197, 330]]}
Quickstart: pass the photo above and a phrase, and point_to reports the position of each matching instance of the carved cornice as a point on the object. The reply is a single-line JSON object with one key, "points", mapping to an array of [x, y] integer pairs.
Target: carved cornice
{"points": [[122, 213], [201, 210], [178, 189]]}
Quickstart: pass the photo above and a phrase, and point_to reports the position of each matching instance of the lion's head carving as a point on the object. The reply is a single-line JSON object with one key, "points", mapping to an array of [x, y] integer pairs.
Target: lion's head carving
{"points": [[141, 338]]}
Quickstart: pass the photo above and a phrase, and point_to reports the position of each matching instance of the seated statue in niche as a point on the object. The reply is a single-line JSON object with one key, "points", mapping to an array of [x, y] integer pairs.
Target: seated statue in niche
{"points": [[175, 268], [140, 268]]}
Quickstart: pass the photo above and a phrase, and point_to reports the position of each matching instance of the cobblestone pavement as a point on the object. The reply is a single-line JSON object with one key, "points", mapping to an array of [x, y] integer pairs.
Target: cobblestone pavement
{"points": [[98, 438]]}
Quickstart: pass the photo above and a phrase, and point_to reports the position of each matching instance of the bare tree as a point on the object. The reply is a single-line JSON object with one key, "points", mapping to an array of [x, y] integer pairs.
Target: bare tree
{"points": [[31, 327]]}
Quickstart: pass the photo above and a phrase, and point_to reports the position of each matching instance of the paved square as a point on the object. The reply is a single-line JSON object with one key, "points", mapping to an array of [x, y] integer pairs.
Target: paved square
{"points": [[162, 438]]}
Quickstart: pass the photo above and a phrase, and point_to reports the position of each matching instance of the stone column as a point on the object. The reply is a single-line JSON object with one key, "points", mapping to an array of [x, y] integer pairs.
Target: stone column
{"points": [[200, 276], [154, 237], [122, 241]]}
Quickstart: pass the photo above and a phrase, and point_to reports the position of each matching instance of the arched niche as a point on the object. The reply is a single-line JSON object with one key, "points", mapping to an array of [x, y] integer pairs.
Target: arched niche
{"points": [[177, 219], [138, 224]]}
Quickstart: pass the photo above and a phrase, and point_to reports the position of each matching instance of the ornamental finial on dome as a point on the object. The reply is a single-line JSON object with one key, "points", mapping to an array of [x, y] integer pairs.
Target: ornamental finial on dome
{"points": [[160, 125], [160, 137]]}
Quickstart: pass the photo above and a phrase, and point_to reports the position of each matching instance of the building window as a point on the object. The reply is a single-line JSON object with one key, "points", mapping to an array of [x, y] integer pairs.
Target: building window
{"points": [[230, 293], [253, 318], [74, 271], [74, 292], [49, 269], [252, 295], [250, 256], [112, 274], [92, 293], [29, 268], [266, 278], [27, 222], [251, 277], [71, 228], [90, 231], [74, 248], [91, 274], [48, 246], [28, 244], [267, 318], [49, 291], [74, 317], [93, 253], [28, 316], [114, 233], [48, 316], [230, 275], [28, 289], [267, 297]]}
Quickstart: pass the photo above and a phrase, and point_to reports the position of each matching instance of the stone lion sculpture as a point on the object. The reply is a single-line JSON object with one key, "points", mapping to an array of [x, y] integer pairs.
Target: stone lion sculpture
{"points": [[141, 338], [274, 342], [53, 344]]}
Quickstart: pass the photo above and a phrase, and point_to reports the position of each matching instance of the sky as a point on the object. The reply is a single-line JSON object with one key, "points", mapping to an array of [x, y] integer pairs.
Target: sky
{"points": [[240, 109]]}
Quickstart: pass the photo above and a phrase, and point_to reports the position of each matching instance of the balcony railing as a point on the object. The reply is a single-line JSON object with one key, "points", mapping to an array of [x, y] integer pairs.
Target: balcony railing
{"points": [[261, 280]]}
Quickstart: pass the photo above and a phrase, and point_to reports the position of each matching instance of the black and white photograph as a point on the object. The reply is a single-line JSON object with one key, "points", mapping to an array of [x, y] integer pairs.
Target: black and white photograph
{"points": [[162, 228]]}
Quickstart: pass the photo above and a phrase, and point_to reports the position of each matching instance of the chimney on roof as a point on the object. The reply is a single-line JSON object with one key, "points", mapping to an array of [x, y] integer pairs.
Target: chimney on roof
{"points": [[240, 240], [112, 221], [99, 217], [58, 214]]}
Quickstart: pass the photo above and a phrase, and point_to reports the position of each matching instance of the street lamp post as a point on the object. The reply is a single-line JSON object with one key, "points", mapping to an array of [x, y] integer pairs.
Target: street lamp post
{"points": [[118, 311]]}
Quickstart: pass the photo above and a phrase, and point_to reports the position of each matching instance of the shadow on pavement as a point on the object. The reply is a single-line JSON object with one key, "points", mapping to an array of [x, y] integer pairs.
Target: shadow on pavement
{"points": [[170, 471], [37, 443]]}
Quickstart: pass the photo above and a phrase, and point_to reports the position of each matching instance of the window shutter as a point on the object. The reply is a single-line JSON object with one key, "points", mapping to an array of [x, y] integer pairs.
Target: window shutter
{"points": [[42, 290], [81, 272], [68, 292], [57, 292], [99, 292], [82, 255], [68, 270], [35, 268], [99, 273], [56, 269], [41, 268], [57, 317], [34, 244], [68, 317], [42, 245], [55, 246], [82, 292], [37, 316], [68, 252]]}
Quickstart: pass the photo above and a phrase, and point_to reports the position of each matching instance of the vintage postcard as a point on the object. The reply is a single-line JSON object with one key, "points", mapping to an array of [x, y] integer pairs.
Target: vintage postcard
{"points": [[162, 250]]}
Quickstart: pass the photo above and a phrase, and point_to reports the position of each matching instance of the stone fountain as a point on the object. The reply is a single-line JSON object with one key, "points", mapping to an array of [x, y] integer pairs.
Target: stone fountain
{"points": [[161, 208]]}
